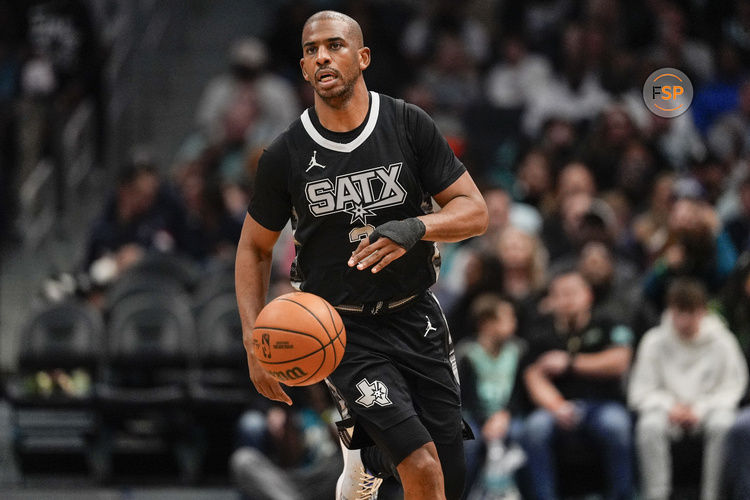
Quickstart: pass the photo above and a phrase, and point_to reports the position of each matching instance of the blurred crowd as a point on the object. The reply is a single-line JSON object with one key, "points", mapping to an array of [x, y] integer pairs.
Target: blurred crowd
{"points": [[51, 60], [608, 303]]}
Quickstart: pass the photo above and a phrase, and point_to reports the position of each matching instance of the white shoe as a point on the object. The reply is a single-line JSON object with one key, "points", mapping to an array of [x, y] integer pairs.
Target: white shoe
{"points": [[355, 483]]}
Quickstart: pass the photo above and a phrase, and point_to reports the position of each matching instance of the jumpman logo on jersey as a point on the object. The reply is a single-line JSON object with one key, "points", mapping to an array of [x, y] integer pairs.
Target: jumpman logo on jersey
{"points": [[314, 162], [430, 328]]}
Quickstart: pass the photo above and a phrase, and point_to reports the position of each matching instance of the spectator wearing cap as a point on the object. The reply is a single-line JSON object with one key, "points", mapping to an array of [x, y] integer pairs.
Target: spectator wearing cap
{"points": [[688, 377]]}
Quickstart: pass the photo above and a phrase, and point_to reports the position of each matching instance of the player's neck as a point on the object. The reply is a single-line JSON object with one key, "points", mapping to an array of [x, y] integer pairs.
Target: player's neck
{"points": [[346, 115]]}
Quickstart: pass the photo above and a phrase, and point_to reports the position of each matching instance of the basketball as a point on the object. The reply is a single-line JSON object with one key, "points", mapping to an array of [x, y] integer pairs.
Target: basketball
{"points": [[299, 338]]}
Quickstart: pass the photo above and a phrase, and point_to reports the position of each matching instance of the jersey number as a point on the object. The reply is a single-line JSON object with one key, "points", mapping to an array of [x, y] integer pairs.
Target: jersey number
{"points": [[359, 233]]}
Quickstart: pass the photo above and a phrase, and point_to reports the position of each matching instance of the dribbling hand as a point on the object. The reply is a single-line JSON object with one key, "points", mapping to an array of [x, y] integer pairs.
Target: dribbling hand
{"points": [[264, 383]]}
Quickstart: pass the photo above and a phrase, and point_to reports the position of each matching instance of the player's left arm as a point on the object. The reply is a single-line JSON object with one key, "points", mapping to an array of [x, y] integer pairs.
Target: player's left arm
{"points": [[463, 214]]}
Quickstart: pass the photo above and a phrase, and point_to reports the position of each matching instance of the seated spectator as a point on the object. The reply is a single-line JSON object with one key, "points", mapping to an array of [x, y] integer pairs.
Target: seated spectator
{"points": [[289, 453], [688, 377], [695, 246], [519, 77], [277, 102], [738, 227], [210, 229], [736, 480], [142, 215], [488, 368], [616, 294], [574, 191], [650, 227], [574, 94], [574, 375]]}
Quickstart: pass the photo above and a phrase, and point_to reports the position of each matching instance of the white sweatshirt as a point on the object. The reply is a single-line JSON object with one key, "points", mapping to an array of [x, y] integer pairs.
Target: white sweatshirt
{"points": [[708, 372]]}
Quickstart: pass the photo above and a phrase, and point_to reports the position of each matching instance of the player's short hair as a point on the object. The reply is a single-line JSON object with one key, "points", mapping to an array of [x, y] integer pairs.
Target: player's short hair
{"points": [[686, 294], [354, 29]]}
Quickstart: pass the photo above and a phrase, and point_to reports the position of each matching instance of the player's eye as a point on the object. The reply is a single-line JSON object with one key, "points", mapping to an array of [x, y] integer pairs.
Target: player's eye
{"points": [[310, 50], [336, 45]]}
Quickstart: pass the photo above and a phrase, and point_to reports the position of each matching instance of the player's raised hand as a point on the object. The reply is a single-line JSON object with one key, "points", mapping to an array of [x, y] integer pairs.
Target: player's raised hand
{"points": [[264, 383], [387, 243]]}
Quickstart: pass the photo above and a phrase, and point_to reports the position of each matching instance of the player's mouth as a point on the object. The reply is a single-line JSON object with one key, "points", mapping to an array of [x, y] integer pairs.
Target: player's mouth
{"points": [[327, 77]]}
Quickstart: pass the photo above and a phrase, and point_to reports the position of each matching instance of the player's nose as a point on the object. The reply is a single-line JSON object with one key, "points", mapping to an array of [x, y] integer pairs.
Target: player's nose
{"points": [[323, 57]]}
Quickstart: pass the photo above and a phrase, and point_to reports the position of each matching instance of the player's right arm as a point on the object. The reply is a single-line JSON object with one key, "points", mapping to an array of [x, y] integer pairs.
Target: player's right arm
{"points": [[251, 276]]}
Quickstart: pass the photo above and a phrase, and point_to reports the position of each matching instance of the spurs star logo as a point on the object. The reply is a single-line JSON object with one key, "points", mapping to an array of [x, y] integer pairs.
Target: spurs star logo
{"points": [[314, 162], [372, 393], [430, 328]]}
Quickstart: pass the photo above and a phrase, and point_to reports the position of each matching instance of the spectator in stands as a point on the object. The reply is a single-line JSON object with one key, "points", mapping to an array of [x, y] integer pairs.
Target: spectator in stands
{"points": [[482, 274], [516, 80], [210, 229], [688, 377], [451, 78], [524, 262], [738, 227], [573, 94], [650, 228], [488, 369], [247, 78], [574, 375], [673, 48], [420, 38], [735, 302], [288, 453], [736, 480], [606, 143], [616, 292], [533, 184], [563, 230], [142, 215], [695, 246], [735, 306]]}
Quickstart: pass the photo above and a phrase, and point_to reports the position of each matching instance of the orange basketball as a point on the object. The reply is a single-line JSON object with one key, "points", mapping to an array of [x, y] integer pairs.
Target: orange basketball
{"points": [[299, 338]]}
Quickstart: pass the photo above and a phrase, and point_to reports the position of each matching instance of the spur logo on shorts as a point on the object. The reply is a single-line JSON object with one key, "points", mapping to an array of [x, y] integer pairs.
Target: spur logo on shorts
{"points": [[357, 194], [372, 393]]}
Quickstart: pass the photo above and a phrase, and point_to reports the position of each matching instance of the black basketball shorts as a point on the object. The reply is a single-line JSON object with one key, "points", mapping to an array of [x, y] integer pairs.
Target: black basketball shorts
{"points": [[397, 365]]}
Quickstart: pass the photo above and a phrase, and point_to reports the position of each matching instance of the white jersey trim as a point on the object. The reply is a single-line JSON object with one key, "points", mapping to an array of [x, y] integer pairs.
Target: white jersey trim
{"points": [[349, 146]]}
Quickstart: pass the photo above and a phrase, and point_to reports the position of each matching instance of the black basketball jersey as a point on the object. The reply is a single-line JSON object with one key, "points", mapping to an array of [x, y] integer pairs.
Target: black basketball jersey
{"points": [[337, 187]]}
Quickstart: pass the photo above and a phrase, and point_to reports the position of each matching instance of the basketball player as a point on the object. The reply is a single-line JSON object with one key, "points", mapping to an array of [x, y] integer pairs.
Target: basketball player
{"points": [[355, 173]]}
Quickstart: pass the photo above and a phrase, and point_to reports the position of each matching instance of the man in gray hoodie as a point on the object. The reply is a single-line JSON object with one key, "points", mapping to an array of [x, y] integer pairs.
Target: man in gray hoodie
{"points": [[688, 377]]}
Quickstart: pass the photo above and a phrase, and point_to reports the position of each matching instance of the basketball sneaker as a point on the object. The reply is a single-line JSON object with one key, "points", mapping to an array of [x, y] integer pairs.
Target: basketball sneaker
{"points": [[355, 483]]}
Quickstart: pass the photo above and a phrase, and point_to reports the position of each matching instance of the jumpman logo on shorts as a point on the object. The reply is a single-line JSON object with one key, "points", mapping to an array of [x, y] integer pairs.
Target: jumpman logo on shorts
{"points": [[430, 328], [314, 162]]}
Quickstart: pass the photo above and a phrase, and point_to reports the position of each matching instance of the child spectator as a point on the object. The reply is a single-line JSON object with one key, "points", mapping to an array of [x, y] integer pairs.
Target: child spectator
{"points": [[488, 369]]}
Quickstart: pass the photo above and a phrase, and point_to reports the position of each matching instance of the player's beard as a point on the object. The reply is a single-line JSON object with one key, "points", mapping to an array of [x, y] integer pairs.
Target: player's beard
{"points": [[336, 96]]}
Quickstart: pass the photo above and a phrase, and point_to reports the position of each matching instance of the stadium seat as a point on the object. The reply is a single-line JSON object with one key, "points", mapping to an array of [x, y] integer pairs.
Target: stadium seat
{"points": [[52, 393], [150, 351], [217, 281], [220, 390]]}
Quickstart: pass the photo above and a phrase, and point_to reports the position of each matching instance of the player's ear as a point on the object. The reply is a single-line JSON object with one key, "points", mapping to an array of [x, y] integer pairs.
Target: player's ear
{"points": [[364, 58], [302, 67]]}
